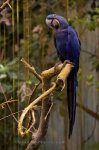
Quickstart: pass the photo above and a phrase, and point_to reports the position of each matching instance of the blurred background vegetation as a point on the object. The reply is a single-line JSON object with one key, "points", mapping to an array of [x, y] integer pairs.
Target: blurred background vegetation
{"points": [[23, 33]]}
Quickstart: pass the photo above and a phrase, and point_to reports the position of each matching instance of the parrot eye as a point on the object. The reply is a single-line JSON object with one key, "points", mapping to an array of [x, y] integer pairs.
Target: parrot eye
{"points": [[55, 23]]}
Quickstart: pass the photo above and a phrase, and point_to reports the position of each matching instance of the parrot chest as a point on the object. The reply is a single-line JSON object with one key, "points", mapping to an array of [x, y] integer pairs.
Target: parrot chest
{"points": [[62, 44]]}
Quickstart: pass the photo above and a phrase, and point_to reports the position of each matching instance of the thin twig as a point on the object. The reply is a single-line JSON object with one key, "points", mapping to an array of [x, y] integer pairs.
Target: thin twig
{"points": [[5, 4], [33, 92], [49, 111], [31, 69], [9, 101], [11, 115]]}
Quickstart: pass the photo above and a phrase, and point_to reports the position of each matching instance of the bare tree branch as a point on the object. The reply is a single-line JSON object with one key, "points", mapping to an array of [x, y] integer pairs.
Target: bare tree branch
{"points": [[47, 89], [8, 101], [32, 69], [7, 2], [10, 115], [31, 106]]}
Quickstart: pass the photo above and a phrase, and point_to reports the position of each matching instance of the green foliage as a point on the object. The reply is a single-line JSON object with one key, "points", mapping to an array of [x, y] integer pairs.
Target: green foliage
{"points": [[94, 146]]}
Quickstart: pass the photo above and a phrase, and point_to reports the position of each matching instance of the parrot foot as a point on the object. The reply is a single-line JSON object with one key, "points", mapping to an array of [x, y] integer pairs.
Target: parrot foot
{"points": [[67, 62], [56, 65]]}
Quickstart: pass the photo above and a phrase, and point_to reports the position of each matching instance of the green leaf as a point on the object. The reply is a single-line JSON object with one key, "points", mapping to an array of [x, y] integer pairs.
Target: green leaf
{"points": [[3, 69], [3, 76]]}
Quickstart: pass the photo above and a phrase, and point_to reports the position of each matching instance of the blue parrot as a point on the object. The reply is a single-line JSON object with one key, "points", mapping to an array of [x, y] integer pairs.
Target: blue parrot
{"points": [[67, 44]]}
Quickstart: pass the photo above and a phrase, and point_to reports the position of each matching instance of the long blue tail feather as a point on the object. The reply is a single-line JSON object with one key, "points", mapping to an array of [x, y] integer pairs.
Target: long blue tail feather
{"points": [[71, 99]]}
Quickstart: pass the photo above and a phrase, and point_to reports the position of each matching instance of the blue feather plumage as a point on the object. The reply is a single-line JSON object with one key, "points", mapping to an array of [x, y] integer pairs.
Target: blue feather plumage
{"points": [[68, 48]]}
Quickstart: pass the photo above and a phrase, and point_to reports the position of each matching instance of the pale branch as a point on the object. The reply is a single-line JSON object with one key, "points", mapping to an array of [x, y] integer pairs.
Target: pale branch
{"points": [[32, 119], [10, 115], [8, 101], [7, 2], [49, 111], [31, 69], [33, 92], [31, 106], [38, 136], [65, 72], [11, 109], [61, 75], [45, 78], [61, 78], [52, 71]]}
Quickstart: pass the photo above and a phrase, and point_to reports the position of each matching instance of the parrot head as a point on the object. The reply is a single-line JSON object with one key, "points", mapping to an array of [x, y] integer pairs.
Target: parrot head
{"points": [[56, 22]]}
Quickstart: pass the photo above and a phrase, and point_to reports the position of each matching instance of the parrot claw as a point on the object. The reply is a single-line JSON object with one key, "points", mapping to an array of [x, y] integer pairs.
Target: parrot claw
{"points": [[67, 62]]}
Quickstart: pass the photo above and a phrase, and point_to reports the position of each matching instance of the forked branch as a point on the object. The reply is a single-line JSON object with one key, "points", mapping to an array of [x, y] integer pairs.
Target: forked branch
{"points": [[47, 88], [7, 2]]}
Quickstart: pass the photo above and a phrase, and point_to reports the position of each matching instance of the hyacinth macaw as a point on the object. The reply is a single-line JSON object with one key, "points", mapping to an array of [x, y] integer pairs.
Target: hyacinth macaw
{"points": [[67, 45]]}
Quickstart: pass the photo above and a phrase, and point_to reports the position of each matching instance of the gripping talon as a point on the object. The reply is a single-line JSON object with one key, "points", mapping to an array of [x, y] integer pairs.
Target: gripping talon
{"points": [[67, 62]]}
